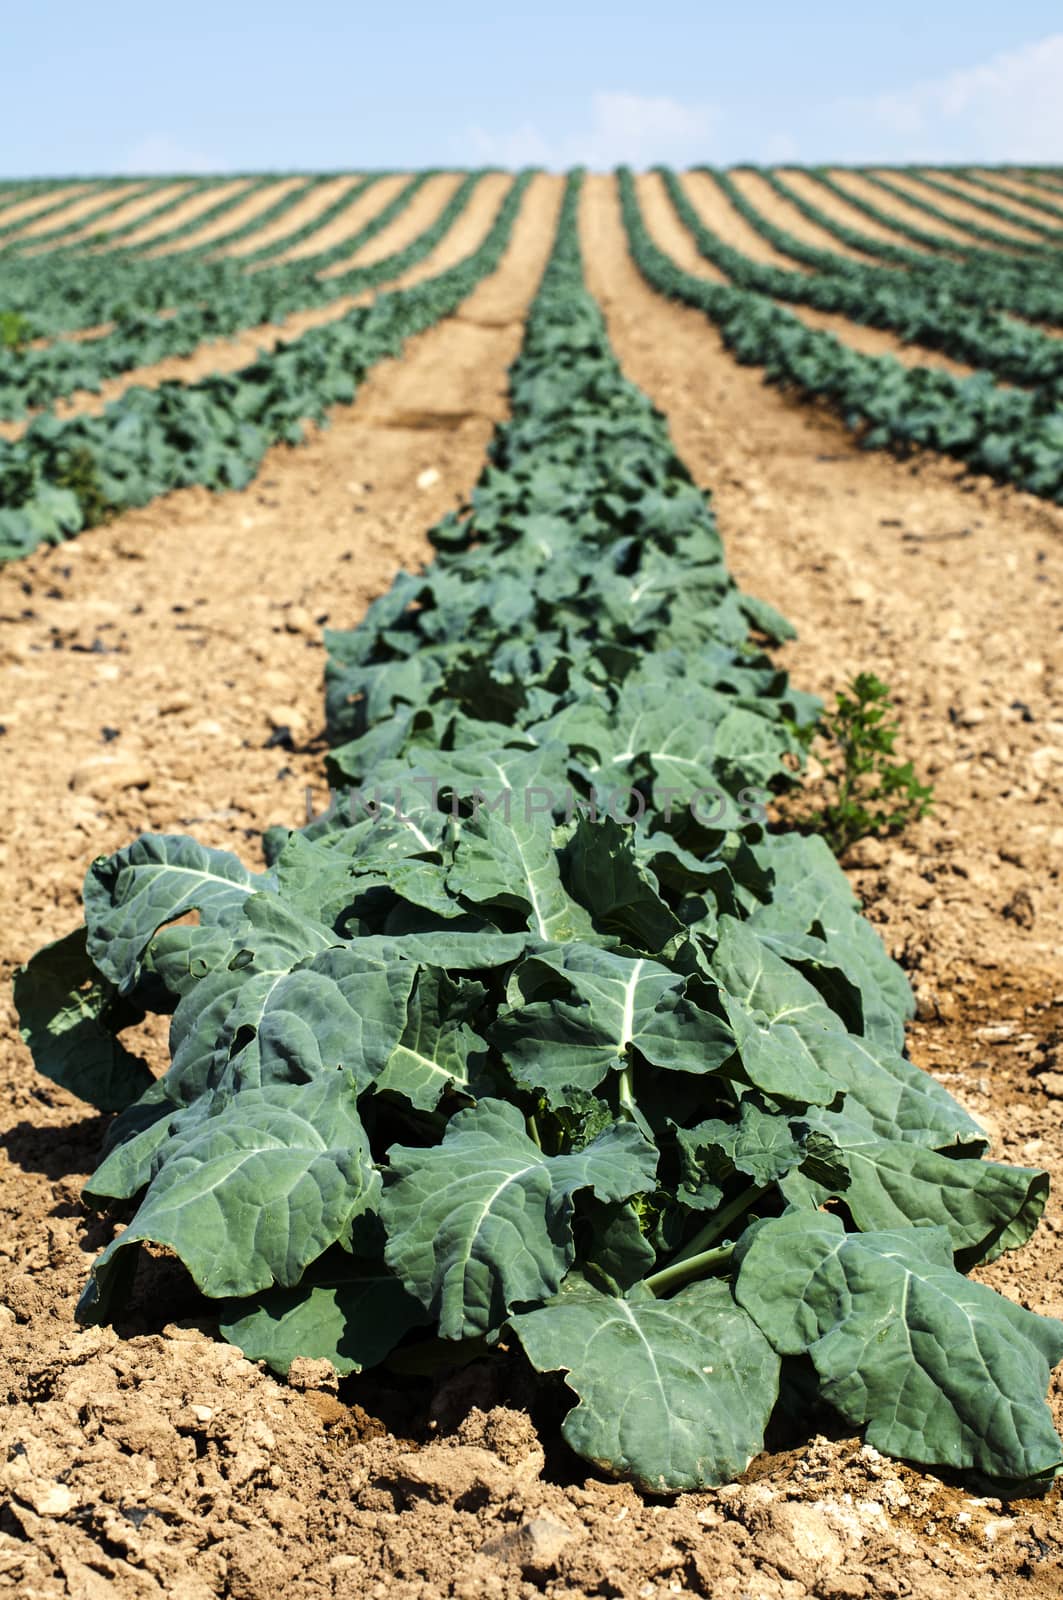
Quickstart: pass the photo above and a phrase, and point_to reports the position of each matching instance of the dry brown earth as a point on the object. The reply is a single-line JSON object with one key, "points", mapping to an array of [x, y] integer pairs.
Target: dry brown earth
{"points": [[672, 236], [229, 355], [849, 215], [14, 209], [79, 206], [237, 216], [132, 211], [786, 215], [1040, 191], [192, 208], [414, 217], [160, 1462], [854, 184], [1020, 202], [300, 215], [714, 207], [368, 205], [961, 210]]}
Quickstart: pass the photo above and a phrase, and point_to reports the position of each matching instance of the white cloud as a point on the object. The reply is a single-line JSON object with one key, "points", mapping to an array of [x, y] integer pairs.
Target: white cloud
{"points": [[162, 153], [636, 129], [1007, 109]]}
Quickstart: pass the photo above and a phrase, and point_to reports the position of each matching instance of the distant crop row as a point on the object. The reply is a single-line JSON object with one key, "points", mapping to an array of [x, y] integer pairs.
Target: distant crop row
{"points": [[919, 308], [1009, 434], [486, 1059], [225, 299], [62, 476]]}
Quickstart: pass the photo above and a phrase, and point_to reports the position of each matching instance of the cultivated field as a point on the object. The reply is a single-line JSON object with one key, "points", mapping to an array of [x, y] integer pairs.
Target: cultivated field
{"points": [[407, 556]]}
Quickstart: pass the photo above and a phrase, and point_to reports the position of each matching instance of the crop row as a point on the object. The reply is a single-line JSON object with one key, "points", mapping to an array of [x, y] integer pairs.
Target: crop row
{"points": [[1039, 261], [67, 289], [1052, 234], [236, 301], [920, 311], [473, 1059], [60, 477], [112, 237], [13, 226], [165, 239], [979, 277], [52, 238], [981, 230], [1030, 197], [1011, 434]]}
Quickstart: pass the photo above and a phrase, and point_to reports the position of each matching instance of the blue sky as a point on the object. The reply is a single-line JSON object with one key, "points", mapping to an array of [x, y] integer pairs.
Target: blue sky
{"points": [[235, 86]]}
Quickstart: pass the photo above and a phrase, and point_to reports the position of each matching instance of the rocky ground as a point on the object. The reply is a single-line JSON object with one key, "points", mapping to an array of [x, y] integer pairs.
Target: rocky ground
{"points": [[165, 672]]}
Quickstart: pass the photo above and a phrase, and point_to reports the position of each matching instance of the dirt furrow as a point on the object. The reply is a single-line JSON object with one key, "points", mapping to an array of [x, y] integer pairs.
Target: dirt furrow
{"points": [[785, 215], [713, 206], [981, 197], [165, 672], [130, 212], [473, 222], [673, 237], [236, 217], [949, 588], [960, 211], [1030, 188], [300, 215], [854, 184], [849, 215], [16, 209], [72, 213], [422, 210], [229, 355], [348, 223], [192, 208]]}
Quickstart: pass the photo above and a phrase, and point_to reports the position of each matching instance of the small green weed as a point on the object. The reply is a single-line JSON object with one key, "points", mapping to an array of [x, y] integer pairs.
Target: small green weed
{"points": [[14, 330], [867, 791]]}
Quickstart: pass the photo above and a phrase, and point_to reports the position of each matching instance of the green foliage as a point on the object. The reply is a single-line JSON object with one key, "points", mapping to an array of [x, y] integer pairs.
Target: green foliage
{"points": [[167, 307], [453, 1070], [215, 432], [1012, 434], [870, 792], [920, 306]]}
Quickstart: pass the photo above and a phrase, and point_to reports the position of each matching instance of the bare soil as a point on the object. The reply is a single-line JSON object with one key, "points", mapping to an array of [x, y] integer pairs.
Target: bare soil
{"points": [[348, 223], [229, 355], [715, 208], [146, 666], [193, 207], [892, 206], [14, 209], [981, 197], [783, 212], [78, 207], [300, 215], [422, 210], [963, 211], [840, 210], [1025, 188], [237, 216], [132, 211]]}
